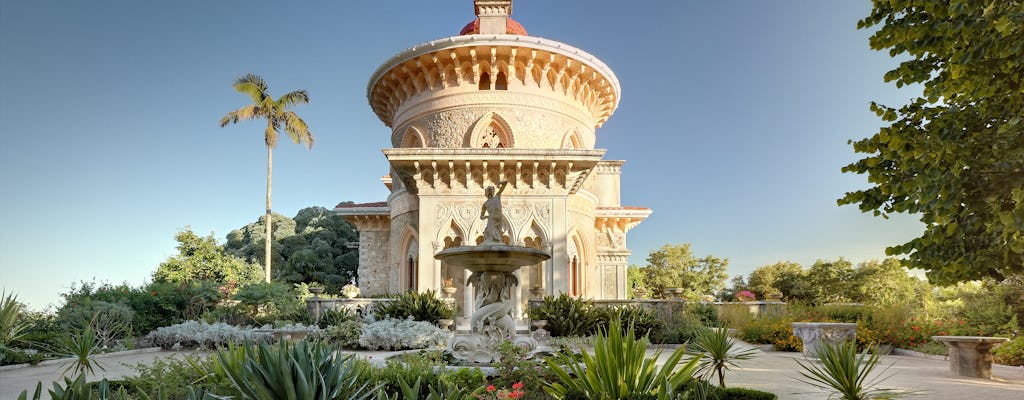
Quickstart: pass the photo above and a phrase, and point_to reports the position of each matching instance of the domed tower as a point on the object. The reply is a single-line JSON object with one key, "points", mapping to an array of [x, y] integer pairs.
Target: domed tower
{"points": [[491, 105]]}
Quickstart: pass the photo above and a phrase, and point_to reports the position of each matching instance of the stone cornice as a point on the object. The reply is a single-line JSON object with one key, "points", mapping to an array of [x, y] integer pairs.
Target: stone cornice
{"points": [[619, 219], [528, 171], [460, 60], [367, 221]]}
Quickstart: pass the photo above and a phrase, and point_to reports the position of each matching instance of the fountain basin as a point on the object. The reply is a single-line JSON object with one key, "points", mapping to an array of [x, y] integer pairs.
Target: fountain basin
{"points": [[492, 257]]}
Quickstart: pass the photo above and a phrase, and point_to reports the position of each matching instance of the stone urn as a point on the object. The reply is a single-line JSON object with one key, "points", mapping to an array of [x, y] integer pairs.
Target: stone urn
{"points": [[815, 334], [537, 292], [449, 290], [445, 324], [316, 290], [773, 297]]}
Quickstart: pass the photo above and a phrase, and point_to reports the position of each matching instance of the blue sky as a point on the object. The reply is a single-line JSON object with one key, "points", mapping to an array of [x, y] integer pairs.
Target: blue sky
{"points": [[734, 119]]}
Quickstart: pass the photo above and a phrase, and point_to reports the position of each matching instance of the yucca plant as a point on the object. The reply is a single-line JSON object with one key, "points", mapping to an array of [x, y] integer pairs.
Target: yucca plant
{"points": [[443, 392], [296, 370], [721, 353], [13, 327], [618, 369], [843, 372], [81, 347]]}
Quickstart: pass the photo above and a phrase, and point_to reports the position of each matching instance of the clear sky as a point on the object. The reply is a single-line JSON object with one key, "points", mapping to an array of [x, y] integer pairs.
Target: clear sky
{"points": [[734, 119]]}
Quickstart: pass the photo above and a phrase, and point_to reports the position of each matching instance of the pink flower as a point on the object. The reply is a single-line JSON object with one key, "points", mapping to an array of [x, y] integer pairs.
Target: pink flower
{"points": [[491, 388]]}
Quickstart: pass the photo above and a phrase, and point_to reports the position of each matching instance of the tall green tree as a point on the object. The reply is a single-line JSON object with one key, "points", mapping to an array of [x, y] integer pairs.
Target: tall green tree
{"points": [[884, 283], [833, 281], [783, 277], [202, 259], [675, 266], [955, 154], [278, 117]]}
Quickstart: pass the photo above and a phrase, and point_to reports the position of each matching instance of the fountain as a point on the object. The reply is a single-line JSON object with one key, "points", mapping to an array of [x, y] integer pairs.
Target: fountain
{"points": [[492, 264]]}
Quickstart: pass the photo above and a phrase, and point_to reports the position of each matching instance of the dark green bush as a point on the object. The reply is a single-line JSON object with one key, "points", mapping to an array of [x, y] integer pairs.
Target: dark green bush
{"points": [[568, 316], [345, 334], [425, 306], [707, 313], [1010, 353], [681, 329], [268, 302], [735, 393], [644, 322], [335, 317]]}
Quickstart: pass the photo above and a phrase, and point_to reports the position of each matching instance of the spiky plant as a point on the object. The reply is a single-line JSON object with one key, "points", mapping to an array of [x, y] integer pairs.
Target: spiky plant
{"points": [[843, 372], [296, 370], [721, 353]]}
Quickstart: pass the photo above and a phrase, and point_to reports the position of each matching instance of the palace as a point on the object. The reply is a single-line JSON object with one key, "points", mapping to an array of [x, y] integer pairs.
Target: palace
{"points": [[471, 111]]}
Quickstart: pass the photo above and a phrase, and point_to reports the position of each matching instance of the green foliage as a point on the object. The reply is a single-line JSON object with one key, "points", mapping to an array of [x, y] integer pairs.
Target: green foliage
{"points": [[420, 306], [741, 394], [345, 334], [618, 368], [684, 326], [155, 305], [674, 266], [81, 347], [787, 278], [202, 259], [515, 367], [13, 326], [420, 368], [312, 246], [884, 283], [644, 322], [567, 316], [955, 154], [720, 352], [776, 331], [335, 317], [1010, 353], [110, 321], [265, 303], [296, 370], [843, 372], [174, 378], [78, 389]]}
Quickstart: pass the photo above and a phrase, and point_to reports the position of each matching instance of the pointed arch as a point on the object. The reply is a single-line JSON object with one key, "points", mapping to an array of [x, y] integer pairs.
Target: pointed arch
{"points": [[572, 140], [413, 138], [408, 259], [490, 131], [579, 262]]}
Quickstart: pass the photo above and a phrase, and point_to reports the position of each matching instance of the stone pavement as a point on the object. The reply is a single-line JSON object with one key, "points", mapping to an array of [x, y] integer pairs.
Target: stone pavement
{"points": [[775, 372]]}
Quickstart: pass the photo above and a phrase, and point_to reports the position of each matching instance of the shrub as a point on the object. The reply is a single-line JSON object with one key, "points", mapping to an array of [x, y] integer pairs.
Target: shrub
{"points": [[741, 394], [421, 368], [567, 316], [345, 334], [843, 372], [335, 317], [13, 325], [203, 335], [707, 313], [426, 306], [394, 334], [774, 331], [735, 316], [644, 322], [171, 377], [268, 302], [1010, 353], [681, 329]]}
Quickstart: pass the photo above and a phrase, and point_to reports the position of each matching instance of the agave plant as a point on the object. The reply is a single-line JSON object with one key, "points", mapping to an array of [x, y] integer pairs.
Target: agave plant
{"points": [[443, 392], [619, 369], [296, 370], [843, 372], [426, 306], [721, 353]]}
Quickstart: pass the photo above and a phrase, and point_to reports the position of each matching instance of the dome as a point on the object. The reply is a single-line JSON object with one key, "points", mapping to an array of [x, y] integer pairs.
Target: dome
{"points": [[512, 27]]}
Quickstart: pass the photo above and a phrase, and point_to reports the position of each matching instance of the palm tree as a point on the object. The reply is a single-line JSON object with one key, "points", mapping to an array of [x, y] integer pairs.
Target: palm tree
{"points": [[278, 116]]}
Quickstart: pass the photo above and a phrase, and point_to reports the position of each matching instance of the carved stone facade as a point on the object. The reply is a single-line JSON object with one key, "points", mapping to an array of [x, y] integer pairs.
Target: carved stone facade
{"points": [[470, 111]]}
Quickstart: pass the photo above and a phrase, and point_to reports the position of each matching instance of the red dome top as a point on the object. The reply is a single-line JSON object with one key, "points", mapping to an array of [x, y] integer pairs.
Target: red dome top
{"points": [[512, 27]]}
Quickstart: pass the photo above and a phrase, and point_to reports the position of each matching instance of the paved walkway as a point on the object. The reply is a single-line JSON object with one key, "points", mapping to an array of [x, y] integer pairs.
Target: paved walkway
{"points": [[774, 372]]}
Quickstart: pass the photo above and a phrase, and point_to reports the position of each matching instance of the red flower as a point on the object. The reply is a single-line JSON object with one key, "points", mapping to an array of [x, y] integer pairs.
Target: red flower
{"points": [[491, 388], [517, 385]]}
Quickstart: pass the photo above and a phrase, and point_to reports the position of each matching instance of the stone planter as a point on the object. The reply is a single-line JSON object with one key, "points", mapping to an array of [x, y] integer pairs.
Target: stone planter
{"points": [[449, 290], [815, 334], [445, 324], [316, 290], [970, 356]]}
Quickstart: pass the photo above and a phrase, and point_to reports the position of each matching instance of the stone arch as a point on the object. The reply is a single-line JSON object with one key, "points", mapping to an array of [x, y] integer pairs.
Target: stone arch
{"points": [[490, 131], [413, 138], [451, 234], [572, 140], [408, 259], [579, 263]]}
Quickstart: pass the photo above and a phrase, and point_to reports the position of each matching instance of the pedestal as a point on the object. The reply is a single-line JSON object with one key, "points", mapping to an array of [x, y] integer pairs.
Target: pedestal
{"points": [[970, 356]]}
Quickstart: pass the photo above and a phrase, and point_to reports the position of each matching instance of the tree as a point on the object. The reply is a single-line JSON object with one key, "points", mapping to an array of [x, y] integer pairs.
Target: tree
{"points": [[278, 116], [832, 281], [884, 283], [202, 259], [674, 266], [955, 154], [783, 277], [313, 246]]}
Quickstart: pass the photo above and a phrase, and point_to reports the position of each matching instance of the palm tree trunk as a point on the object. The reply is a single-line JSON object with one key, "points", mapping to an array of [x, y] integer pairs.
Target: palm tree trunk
{"points": [[266, 244]]}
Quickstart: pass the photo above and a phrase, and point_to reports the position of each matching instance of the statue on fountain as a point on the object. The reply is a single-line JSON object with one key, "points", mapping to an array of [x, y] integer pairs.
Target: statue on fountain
{"points": [[493, 265]]}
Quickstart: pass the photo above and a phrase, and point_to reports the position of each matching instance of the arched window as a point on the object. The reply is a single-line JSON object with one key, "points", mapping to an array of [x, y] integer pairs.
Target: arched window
{"points": [[501, 83], [485, 81]]}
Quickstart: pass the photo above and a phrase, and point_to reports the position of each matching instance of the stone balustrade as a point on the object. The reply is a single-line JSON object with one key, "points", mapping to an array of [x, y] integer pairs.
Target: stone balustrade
{"points": [[970, 356], [316, 306]]}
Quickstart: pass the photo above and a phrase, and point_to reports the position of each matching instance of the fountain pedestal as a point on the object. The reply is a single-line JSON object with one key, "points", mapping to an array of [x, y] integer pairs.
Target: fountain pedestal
{"points": [[493, 278]]}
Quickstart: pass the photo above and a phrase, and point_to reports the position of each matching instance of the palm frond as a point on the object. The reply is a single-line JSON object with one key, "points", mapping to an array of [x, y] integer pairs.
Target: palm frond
{"points": [[242, 114], [253, 86], [297, 129], [293, 98]]}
